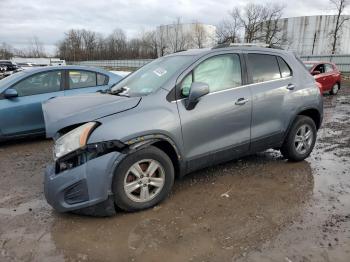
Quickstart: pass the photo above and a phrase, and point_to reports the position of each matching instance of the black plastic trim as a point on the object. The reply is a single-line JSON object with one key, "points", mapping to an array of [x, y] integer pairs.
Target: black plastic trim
{"points": [[89, 152]]}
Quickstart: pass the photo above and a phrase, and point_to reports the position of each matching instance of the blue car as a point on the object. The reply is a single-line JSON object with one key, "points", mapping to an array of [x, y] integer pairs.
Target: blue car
{"points": [[22, 93]]}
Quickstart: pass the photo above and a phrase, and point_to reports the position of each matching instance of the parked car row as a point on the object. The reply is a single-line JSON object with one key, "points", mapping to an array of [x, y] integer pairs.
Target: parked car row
{"points": [[7, 68], [22, 94]]}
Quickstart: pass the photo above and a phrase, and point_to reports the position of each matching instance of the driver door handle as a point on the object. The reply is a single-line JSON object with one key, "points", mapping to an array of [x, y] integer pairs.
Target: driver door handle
{"points": [[241, 101]]}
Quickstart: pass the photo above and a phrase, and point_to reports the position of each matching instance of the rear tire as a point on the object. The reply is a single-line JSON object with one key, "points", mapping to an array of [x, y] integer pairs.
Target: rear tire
{"points": [[334, 89], [143, 179], [300, 140]]}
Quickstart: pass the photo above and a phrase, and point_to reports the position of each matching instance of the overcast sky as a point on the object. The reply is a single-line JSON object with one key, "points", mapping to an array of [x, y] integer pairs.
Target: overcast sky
{"points": [[21, 20]]}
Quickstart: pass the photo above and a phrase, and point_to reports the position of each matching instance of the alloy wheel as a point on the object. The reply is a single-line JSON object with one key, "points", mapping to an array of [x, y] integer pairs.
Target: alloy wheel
{"points": [[144, 180], [303, 139]]}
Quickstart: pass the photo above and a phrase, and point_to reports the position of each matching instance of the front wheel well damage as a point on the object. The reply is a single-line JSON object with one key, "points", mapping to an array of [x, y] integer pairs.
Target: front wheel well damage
{"points": [[161, 142]]}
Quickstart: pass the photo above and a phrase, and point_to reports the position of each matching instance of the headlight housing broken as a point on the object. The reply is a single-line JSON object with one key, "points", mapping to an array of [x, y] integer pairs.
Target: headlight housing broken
{"points": [[73, 140]]}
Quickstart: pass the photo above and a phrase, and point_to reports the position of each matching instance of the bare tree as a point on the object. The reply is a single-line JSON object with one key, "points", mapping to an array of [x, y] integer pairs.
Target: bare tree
{"points": [[271, 29], [257, 22], [173, 34], [116, 43], [229, 30], [177, 38], [200, 35], [161, 40], [74, 44], [89, 43], [80, 44], [150, 43], [36, 48], [6, 51], [340, 6], [252, 19], [83, 44]]}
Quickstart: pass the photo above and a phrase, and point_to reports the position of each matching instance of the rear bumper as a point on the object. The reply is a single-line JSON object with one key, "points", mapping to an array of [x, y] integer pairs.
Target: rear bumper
{"points": [[83, 186]]}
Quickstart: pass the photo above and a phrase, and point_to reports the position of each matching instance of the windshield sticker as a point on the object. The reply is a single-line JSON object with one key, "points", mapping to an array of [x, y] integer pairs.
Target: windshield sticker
{"points": [[160, 71]]}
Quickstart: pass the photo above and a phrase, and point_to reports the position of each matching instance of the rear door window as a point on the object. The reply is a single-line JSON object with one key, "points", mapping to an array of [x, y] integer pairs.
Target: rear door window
{"points": [[82, 79], [263, 67]]}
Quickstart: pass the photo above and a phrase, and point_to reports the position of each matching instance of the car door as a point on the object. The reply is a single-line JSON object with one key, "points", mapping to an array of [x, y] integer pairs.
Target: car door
{"points": [[218, 127], [271, 82], [23, 114], [84, 81]]}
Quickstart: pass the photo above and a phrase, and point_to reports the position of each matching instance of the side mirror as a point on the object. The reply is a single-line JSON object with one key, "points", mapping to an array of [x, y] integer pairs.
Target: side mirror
{"points": [[197, 90], [10, 93], [315, 73]]}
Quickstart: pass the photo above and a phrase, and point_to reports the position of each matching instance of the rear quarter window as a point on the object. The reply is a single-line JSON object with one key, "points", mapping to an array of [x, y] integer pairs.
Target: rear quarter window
{"points": [[81, 79], [102, 79], [284, 67]]}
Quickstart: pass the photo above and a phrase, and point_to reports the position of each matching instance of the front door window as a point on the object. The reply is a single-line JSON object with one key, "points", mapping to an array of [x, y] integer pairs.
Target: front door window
{"points": [[41, 83]]}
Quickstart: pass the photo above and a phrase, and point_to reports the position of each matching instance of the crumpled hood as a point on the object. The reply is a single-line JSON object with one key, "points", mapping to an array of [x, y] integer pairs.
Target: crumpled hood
{"points": [[65, 111]]}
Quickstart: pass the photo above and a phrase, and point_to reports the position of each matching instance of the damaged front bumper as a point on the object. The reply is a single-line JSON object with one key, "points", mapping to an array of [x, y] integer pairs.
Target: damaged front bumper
{"points": [[83, 185]]}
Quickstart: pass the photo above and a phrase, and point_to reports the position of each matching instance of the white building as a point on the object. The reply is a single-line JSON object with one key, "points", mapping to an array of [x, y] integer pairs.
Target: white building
{"points": [[182, 36], [39, 61], [311, 35]]}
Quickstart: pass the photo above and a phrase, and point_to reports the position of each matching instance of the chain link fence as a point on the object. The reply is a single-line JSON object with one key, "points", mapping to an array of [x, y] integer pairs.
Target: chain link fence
{"points": [[124, 65]]}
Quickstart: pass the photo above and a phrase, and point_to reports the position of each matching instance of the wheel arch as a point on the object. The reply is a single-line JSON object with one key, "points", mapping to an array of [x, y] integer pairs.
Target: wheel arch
{"points": [[162, 142], [339, 83], [311, 112], [314, 114]]}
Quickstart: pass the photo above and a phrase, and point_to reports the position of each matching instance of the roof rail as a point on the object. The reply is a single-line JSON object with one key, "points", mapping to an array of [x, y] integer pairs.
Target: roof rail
{"points": [[224, 45]]}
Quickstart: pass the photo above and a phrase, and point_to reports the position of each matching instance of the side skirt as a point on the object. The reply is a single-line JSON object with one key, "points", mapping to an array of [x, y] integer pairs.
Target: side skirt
{"points": [[217, 157]]}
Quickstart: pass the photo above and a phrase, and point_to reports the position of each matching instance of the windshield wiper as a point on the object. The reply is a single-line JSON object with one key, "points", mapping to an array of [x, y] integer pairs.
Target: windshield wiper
{"points": [[117, 92]]}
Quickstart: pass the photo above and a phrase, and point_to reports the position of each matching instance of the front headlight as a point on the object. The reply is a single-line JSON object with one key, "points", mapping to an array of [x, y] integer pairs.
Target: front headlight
{"points": [[73, 140]]}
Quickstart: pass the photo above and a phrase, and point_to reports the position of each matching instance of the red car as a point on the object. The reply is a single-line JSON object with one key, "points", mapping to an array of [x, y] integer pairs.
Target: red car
{"points": [[326, 75]]}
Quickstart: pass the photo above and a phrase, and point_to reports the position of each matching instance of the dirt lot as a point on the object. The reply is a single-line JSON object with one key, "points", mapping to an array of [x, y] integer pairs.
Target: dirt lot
{"points": [[260, 208]]}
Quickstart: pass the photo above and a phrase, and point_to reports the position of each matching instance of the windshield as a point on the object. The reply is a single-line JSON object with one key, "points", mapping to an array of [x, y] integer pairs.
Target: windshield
{"points": [[152, 76], [308, 66]]}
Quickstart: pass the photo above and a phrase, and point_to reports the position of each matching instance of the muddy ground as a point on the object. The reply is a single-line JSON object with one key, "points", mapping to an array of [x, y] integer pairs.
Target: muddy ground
{"points": [[260, 208]]}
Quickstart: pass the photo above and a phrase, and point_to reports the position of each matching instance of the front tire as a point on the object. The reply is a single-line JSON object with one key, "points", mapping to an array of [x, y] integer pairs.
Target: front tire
{"points": [[300, 140], [335, 89], [143, 179]]}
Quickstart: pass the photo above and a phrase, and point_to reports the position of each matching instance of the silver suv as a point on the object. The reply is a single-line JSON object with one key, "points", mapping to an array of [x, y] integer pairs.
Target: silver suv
{"points": [[177, 114]]}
